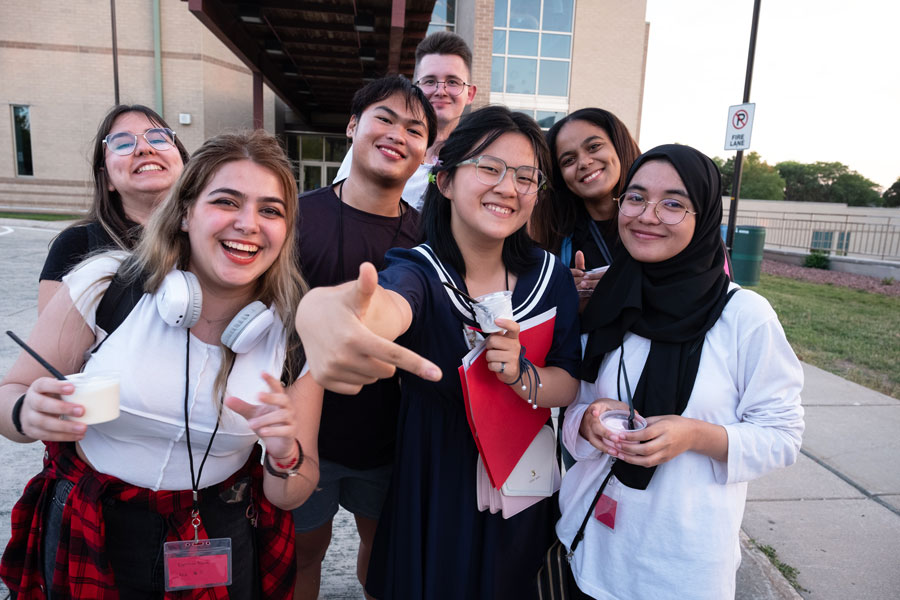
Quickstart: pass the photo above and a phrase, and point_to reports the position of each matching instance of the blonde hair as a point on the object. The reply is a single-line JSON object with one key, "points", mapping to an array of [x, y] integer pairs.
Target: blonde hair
{"points": [[165, 246]]}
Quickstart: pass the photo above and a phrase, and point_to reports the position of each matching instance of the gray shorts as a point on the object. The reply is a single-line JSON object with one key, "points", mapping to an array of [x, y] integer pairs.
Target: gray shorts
{"points": [[361, 492]]}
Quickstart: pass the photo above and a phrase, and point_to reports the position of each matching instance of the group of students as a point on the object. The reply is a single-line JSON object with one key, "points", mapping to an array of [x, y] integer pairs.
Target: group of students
{"points": [[367, 413]]}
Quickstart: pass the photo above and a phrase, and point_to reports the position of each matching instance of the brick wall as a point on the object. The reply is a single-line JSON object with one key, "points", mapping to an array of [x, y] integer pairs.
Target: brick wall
{"points": [[482, 45]]}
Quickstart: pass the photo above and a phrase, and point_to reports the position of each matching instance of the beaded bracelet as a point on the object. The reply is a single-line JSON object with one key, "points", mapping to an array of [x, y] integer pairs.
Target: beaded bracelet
{"points": [[528, 371]]}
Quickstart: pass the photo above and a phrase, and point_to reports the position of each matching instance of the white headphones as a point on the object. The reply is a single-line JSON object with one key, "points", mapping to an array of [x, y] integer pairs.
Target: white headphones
{"points": [[180, 299]]}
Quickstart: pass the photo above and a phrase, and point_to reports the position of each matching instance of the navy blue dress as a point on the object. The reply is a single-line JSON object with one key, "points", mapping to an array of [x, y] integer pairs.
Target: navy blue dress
{"points": [[432, 542]]}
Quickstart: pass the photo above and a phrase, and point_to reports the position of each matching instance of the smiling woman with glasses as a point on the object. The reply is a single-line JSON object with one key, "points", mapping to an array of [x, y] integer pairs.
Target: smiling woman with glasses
{"points": [[136, 159], [432, 541], [706, 364]]}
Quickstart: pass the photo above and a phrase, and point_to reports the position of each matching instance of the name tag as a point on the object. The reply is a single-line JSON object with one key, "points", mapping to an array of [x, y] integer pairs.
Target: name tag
{"points": [[200, 564]]}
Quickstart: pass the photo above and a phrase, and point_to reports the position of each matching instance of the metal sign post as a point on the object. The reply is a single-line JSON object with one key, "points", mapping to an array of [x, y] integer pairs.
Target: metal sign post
{"points": [[739, 158]]}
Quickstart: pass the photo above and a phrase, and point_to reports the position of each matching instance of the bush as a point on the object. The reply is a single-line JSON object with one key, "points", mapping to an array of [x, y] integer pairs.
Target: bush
{"points": [[817, 259]]}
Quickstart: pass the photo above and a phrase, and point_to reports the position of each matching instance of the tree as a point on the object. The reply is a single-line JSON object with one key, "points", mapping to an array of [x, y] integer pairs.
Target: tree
{"points": [[854, 190], [891, 196], [802, 182], [759, 180]]}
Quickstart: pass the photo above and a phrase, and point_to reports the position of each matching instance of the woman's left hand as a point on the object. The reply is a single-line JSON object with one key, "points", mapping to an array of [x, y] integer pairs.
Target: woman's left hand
{"points": [[502, 351], [665, 438], [274, 420]]}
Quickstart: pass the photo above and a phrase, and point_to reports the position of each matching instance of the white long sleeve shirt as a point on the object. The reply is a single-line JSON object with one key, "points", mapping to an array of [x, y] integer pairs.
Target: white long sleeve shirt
{"points": [[679, 537]]}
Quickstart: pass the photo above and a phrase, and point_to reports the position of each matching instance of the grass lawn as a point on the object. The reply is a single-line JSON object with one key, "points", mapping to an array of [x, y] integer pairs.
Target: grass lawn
{"points": [[851, 333], [39, 216]]}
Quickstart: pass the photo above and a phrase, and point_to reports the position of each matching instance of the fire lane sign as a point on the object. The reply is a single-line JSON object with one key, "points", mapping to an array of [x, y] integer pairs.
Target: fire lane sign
{"points": [[740, 124]]}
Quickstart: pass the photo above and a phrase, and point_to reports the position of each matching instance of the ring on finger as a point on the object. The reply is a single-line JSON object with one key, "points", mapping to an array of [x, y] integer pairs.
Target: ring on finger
{"points": [[502, 367]]}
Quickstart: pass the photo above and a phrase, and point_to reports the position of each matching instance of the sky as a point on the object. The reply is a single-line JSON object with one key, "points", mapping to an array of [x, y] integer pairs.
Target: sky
{"points": [[826, 80]]}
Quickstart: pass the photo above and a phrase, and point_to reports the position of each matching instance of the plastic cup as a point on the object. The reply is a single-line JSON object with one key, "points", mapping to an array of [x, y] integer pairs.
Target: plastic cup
{"points": [[491, 307], [617, 420], [98, 393]]}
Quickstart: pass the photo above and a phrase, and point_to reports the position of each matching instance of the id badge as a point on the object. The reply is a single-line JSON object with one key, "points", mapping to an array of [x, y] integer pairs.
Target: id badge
{"points": [[608, 504], [197, 564]]}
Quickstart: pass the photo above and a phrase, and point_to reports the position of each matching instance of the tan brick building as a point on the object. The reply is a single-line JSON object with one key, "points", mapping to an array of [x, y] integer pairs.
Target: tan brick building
{"points": [[56, 60], [544, 57]]}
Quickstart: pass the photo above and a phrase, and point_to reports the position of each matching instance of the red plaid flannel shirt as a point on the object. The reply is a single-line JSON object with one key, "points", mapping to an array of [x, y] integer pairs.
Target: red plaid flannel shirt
{"points": [[82, 567]]}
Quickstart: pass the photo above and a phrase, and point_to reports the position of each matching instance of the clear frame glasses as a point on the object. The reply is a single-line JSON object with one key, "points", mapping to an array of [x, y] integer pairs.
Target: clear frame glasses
{"points": [[454, 86], [491, 170], [124, 143], [668, 210]]}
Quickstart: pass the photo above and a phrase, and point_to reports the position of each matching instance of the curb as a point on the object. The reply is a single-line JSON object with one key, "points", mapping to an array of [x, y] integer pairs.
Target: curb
{"points": [[779, 585]]}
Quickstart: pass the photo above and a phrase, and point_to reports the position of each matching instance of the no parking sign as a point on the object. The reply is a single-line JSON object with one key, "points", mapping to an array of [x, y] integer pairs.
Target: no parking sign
{"points": [[740, 124]]}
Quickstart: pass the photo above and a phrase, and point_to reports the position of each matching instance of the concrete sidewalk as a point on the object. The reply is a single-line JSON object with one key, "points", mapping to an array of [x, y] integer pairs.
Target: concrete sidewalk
{"points": [[834, 516]]}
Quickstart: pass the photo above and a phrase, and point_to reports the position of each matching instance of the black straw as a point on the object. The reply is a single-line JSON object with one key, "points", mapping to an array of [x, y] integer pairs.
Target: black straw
{"points": [[461, 293], [36, 356]]}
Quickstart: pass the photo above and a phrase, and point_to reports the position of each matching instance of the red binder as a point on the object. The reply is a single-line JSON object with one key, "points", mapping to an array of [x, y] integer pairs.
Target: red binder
{"points": [[502, 423]]}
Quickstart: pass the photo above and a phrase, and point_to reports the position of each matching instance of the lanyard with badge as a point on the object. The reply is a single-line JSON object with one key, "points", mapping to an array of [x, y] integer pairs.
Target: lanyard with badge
{"points": [[196, 563]]}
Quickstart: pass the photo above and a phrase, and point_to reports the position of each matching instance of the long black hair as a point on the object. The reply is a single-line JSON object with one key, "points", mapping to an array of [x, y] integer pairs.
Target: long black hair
{"points": [[555, 220], [476, 132]]}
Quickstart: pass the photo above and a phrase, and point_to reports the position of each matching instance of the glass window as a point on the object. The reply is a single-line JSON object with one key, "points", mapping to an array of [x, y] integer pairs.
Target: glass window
{"points": [[443, 17], [558, 15], [546, 118], [554, 78], [521, 74], [312, 177], [500, 13], [555, 46], [497, 73], [335, 149], [499, 41], [525, 14], [523, 43], [331, 173], [312, 147], [22, 125]]}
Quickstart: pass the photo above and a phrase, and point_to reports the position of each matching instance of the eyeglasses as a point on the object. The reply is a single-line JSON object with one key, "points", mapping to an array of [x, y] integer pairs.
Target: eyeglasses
{"points": [[491, 170], [123, 143], [668, 210], [429, 85]]}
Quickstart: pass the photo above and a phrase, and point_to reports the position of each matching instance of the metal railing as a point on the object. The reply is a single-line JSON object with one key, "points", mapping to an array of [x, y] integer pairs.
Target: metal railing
{"points": [[845, 235]]}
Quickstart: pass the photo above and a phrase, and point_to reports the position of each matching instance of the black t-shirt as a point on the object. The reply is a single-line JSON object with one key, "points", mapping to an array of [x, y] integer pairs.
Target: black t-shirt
{"points": [[72, 246], [355, 431]]}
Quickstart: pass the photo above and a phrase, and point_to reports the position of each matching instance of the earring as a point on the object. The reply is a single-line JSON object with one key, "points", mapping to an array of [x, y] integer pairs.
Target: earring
{"points": [[184, 225]]}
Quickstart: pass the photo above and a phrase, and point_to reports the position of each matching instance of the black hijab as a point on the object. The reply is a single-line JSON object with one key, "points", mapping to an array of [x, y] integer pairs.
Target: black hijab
{"points": [[673, 303]]}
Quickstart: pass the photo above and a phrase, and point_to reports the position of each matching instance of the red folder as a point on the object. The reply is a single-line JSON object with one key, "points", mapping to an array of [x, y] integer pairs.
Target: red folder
{"points": [[502, 423]]}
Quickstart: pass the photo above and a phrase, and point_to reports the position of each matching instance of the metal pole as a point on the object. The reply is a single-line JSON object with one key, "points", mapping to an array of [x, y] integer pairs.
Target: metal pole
{"points": [[115, 49], [739, 157]]}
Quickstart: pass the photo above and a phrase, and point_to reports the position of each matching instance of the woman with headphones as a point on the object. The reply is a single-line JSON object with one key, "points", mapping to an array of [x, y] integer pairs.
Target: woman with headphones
{"points": [[172, 494]]}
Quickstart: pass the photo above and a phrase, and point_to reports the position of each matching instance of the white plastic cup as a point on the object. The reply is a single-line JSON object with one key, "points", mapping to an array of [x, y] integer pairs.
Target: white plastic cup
{"points": [[617, 420], [491, 307], [98, 394]]}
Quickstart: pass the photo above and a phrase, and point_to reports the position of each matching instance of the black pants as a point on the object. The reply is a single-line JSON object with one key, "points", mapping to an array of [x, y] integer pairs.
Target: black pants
{"points": [[135, 538]]}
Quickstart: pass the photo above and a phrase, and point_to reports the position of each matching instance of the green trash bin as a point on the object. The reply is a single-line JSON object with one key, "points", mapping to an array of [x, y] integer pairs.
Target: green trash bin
{"points": [[747, 253]]}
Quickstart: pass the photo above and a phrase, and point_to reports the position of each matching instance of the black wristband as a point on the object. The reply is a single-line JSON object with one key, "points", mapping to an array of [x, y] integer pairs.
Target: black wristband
{"points": [[17, 414], [290, 472]]}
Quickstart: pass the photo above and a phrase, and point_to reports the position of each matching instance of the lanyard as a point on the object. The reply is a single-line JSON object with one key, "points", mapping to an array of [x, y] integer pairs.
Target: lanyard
{"points": [[598, 239], [195, 482], [623, 373]]}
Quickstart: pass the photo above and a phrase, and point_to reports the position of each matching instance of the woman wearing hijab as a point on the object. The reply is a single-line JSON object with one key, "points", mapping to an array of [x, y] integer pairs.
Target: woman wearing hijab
{"points": [[707, 364]]}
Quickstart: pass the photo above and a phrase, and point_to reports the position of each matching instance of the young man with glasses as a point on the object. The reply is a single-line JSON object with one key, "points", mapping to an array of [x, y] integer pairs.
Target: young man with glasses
{"points": [[444, 74], [339, 227]]}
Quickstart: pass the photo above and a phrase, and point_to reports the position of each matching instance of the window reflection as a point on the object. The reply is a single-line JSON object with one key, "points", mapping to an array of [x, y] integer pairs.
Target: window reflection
{"points": [[558, 15], [554, 78], [555, 46], [521, 74], [525, 14], [523, 43]]}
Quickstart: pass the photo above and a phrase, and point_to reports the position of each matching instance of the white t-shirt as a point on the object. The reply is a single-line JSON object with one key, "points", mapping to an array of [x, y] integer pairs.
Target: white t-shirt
{"points": [[680, 535], [146, 445], [413, 192]]}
